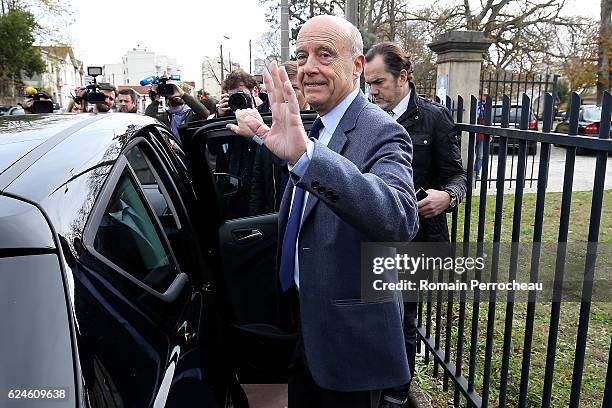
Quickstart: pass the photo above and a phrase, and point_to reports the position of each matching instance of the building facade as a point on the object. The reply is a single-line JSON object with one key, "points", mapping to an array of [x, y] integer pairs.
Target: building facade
{"points": [[63, 74], [137, 64]]}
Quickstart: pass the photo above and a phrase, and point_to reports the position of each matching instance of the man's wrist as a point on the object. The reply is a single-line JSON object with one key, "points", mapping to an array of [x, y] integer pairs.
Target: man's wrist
{"points": [[294, 162], [453, 199]]}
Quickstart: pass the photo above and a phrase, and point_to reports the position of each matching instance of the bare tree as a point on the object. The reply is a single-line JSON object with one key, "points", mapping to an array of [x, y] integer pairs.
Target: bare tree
{"points": [[604, 49], [212, 73], [523, 31], [269, 44]]}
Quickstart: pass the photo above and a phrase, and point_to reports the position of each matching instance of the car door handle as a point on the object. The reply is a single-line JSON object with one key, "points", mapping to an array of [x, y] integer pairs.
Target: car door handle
{"points": [[246, 235]]}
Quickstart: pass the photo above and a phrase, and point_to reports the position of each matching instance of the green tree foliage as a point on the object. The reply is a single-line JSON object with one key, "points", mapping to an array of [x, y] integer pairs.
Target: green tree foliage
{"points": [[17, 29]]}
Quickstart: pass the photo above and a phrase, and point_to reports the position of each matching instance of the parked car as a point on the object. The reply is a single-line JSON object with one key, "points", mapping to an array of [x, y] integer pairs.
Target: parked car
{"points": [[589, 118], [514, 122], [11, 110], [560, 115], [123, 284]]}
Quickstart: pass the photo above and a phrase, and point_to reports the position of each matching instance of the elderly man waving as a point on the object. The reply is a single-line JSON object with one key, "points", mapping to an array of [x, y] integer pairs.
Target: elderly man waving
{"points": [[351, 182]]}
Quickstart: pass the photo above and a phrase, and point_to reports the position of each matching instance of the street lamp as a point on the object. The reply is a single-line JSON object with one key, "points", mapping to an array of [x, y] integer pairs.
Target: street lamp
{"points": [[221, 51]]}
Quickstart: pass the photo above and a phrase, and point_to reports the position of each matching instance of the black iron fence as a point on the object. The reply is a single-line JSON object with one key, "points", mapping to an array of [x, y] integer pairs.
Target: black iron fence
{"points": [[443, 325], [514, 85]]}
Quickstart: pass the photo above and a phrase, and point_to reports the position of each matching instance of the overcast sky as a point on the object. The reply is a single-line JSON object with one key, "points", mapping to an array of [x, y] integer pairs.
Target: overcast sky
{"points": [[186, 30]]}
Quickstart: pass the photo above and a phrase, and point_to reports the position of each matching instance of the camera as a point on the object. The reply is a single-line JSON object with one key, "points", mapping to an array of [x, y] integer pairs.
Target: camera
{"points": [[93, 94], [44, 105], [240, 100], [163, 88]]}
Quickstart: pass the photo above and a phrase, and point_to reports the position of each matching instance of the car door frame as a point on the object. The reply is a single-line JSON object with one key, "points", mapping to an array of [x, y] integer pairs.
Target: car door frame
{"points": [[183, 281], [262, 350]]}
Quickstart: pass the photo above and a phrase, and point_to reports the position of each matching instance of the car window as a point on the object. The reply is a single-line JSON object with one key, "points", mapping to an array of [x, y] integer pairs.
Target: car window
{"points": [[130, 238], [515, 114], [157, 194], [592, 114], [250, 180], [237, 165]]}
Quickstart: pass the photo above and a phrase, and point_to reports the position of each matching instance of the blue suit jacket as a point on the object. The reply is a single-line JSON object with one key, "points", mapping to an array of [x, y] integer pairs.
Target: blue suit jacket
{"points": [[361, 190]]}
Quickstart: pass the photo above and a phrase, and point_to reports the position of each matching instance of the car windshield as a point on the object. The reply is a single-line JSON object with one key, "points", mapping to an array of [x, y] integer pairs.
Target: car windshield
{"points": [[515, 114], [591, 114]]}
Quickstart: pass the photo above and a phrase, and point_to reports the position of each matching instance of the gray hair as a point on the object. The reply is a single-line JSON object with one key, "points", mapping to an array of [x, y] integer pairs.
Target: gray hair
{"points": [[356, 41]]}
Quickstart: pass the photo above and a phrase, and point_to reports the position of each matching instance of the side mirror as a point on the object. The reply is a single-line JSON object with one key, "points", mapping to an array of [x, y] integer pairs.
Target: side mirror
{"points": [[227, 184]]}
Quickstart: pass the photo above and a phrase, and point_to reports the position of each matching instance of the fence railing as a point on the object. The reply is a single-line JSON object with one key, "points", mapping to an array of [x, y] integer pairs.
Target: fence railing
{"points": [[449, 356], [514, 85]]}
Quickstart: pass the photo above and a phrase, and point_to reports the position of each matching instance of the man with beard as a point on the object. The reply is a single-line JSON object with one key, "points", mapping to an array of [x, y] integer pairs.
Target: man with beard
{"points": [[437, 151], [128, 100], [110, 93], [182, 108]]}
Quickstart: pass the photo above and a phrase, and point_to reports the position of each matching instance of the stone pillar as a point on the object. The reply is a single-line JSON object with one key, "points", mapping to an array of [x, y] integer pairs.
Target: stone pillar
{"points": [[460, 55]]}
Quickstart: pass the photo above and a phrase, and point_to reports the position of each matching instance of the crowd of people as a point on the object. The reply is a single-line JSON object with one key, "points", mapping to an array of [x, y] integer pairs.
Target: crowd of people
{"points": [[352, 178]]}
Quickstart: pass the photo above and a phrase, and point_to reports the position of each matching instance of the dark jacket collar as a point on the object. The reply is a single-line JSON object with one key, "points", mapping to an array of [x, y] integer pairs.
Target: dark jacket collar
{"points": [[412, 112]]}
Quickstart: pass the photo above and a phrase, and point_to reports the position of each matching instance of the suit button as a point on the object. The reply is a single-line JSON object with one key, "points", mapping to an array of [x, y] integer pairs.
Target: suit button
{"points": [[334, 199], [330, 194], [322, 190], [315, 184]]}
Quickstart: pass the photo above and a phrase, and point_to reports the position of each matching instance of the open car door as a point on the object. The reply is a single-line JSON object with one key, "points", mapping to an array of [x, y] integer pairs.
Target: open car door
{"points": [[259, 335]]}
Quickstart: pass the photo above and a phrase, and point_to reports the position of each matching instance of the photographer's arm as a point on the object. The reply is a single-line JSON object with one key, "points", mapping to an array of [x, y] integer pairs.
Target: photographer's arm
{"points": [[196, 106], [151, 110]]}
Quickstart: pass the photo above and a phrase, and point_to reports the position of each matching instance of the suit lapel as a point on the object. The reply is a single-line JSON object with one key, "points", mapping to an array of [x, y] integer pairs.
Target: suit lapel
{"points": [[338, 140]]}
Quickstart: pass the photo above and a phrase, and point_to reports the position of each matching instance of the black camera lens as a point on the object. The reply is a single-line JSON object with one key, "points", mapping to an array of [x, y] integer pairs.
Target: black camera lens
{"points": [[240, 100], [78, 99]]}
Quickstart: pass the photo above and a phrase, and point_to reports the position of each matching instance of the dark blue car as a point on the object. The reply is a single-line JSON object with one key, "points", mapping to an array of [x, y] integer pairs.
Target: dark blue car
{"points": [[122, 283]]}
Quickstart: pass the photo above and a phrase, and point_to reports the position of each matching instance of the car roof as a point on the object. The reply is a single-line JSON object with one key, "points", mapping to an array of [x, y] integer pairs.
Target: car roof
{"points": [[28, 141]]}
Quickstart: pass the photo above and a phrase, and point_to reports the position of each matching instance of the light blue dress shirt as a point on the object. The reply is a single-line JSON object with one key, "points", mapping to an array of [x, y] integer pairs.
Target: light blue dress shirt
{"points": [[330, 122]]}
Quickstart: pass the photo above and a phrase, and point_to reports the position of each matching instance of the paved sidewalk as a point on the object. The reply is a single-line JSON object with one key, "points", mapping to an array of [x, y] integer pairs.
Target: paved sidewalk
{"points": [[584, 173]]}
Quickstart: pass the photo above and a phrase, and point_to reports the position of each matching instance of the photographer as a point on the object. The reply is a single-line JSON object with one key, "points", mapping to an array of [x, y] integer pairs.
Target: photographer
{"points": [[35, 95], [182, 108], [78, 103], [110, 93], [239, 81], [128, 101]]}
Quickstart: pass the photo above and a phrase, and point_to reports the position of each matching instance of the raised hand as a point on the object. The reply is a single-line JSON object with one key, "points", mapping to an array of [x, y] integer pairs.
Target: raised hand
{"points": [[286, 138], [250, 123]]}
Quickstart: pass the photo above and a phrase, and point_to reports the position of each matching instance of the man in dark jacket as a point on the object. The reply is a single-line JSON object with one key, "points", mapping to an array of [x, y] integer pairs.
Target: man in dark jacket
{"points": [[182, 108], [436, 161]]}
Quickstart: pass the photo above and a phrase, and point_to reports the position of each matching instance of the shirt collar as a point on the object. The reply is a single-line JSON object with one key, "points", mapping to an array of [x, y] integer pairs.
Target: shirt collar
{"points": [[332, 118], [402, 106]]}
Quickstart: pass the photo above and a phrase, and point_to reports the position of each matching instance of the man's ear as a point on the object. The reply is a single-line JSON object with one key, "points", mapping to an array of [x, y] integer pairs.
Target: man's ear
{"points": [[403, 76], [359, 63]]}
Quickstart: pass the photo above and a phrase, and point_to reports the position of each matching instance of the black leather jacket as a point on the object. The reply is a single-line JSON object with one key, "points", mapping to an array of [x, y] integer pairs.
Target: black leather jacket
{"points": [[436, 160]]}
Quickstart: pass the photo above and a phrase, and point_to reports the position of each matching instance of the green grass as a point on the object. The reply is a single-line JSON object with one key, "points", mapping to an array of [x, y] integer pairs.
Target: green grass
{"points": [[600, 322]]}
